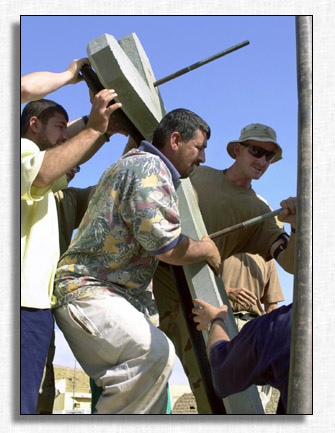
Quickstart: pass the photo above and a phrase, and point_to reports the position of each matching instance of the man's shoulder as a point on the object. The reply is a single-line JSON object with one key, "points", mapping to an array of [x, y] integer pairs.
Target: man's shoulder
{"points": [[204, 171], [28, 146], [136, 154], [143, 163]]}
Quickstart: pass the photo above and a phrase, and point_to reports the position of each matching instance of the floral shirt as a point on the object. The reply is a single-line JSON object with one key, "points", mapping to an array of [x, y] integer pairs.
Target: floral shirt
{"points": [[132, 216]]}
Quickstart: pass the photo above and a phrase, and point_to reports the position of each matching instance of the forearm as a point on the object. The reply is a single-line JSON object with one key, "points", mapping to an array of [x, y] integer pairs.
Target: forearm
{"points": [[217, 333], [75, 127], [186, 252], [60, 159], [286, 257], [268, 307], [39, 84]]}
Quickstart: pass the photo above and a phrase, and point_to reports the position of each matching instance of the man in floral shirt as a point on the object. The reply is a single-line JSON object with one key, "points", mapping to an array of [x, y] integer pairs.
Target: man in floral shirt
{"points": [[103, 304]]}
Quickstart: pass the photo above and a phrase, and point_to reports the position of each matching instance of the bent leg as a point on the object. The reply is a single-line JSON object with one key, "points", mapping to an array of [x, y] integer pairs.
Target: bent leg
{"points": [[121, 350]]}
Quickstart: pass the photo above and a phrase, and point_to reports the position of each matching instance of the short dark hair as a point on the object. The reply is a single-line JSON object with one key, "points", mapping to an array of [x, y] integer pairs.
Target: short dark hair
{"points": [[180, 120], [43, 109]]}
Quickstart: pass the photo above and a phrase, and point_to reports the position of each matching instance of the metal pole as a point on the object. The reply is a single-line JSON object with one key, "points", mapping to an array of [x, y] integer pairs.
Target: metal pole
{"points": [[300, 381], [200, 63], [244, 224]]}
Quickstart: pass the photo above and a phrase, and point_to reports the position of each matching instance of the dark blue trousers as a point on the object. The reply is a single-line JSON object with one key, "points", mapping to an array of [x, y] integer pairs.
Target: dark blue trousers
{"points": [[36, 331]]}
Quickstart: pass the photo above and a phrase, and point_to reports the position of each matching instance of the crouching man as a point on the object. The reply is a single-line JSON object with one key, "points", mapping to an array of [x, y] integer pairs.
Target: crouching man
{"points": [[103, 303]]}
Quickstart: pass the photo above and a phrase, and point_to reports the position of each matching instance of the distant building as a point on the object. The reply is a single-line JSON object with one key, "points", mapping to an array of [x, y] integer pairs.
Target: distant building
{"points": [[186, 404], [73, 392], [182, 400]]}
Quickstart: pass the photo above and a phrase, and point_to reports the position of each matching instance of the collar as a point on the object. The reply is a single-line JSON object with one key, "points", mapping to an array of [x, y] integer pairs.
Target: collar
{"points": [[148, 147]]}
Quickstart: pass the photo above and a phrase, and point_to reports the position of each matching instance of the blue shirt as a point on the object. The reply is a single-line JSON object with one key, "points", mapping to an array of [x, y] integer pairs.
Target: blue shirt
{"points": [[258, 355]]}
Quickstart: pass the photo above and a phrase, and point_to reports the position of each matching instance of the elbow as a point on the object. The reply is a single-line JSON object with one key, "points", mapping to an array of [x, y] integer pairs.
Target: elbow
{"points": [[42, 180], [26, 94], [287, 265]]}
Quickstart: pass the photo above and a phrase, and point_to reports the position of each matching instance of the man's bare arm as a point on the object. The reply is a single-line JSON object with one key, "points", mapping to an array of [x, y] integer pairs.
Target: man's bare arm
{"points": [[288, 215], [204, 313], [188, 251], [62, 158], [270, 306], [37, 85]]}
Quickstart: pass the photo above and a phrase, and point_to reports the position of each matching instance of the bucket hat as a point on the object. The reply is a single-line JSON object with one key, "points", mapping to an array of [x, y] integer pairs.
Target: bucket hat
{"points": [[257, 132]]}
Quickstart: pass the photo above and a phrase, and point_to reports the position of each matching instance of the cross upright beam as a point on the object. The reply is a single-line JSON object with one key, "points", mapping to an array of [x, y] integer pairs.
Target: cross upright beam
{"points": [[125, 67]]}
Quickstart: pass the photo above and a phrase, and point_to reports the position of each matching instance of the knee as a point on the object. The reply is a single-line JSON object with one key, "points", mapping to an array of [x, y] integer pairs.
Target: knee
{"points": [[162, 353]]}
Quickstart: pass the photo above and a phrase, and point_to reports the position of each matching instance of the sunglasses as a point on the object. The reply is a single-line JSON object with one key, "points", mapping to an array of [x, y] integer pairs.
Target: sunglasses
{"points": [[258, 152]]}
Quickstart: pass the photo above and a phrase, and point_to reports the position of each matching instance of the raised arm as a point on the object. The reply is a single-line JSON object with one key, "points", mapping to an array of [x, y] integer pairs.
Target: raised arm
{"points": [[60, 159], [285, 257], [37, 85]]}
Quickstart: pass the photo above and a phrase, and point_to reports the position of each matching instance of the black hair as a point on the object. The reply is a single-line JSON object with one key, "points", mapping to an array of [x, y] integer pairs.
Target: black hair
{"points": [[180, 120], [43, 109]]}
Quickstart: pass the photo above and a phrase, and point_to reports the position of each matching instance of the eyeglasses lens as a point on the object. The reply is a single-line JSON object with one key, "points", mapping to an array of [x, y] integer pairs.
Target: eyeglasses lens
{"points": [[258, 152]]}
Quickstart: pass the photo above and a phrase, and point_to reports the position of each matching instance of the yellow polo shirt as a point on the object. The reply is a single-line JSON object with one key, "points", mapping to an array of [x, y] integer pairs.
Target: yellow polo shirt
{"points": [[39, 231]]}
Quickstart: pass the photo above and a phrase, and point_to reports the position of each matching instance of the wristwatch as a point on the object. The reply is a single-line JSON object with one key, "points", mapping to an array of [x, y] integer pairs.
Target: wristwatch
{"points": [[210, 324]]}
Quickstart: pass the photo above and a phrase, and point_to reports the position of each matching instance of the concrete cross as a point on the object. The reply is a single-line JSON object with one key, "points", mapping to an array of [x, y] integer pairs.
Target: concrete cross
{"points": [[123, 65]]}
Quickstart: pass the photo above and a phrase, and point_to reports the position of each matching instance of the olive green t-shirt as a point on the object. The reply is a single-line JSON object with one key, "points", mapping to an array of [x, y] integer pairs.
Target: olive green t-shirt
{"points": [[71, 206], [223, 204]]}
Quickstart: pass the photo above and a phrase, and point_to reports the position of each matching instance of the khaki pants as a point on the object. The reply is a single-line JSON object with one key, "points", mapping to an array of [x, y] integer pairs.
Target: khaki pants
{"points": [[121, 350]]}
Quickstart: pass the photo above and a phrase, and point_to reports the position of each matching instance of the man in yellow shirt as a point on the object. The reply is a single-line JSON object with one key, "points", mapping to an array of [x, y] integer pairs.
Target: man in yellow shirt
{"points": [[46, 155]]}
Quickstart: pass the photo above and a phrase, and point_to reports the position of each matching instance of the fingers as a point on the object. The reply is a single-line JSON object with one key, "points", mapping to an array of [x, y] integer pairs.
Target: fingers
{"points": [[289, 209], [243, 297], [247, 296], [290, 204], [245, 300], [103, 98], [101, 112], [200, 303], [75, 68], [214, 257]]}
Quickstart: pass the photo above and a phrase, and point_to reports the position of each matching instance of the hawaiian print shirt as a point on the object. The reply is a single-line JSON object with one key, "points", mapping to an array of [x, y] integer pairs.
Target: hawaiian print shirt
{"points": [[132, 216]]}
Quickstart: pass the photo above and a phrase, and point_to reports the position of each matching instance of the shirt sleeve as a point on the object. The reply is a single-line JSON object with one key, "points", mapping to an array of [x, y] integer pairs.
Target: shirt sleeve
{"points": [[31, 161], [258, 355], [152, 210], [272, 291]]}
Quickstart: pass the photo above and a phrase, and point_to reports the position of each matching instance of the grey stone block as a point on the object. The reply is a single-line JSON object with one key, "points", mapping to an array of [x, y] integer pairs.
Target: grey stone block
{"points": [[116, 71], [204, 284]]}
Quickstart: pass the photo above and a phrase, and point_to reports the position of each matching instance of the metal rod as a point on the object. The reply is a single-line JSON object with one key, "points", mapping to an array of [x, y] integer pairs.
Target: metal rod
{"points": [[200, 63], [300, 381], [244, 224]]}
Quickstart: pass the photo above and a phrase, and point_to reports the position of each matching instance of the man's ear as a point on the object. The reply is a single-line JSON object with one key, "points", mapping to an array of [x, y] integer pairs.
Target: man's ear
{"points": [[237, 148], [175, 140], [34, 124]]}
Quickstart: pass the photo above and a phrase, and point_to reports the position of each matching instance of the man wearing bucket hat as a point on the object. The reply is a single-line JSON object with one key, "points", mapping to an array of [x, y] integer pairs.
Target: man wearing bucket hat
{"points": [[231, 201]]}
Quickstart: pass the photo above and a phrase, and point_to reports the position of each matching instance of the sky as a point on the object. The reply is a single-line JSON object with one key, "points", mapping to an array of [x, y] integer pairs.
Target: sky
{"points": [[256, 84]]}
